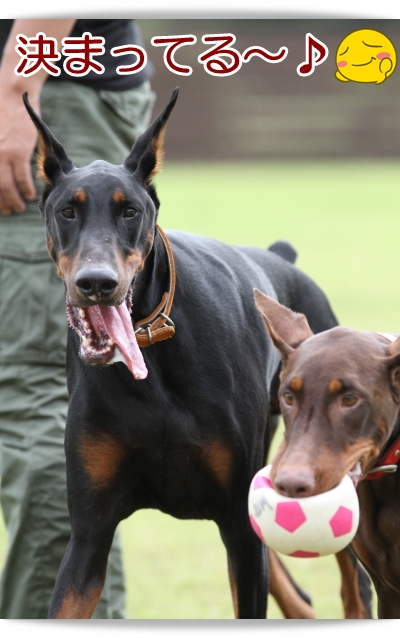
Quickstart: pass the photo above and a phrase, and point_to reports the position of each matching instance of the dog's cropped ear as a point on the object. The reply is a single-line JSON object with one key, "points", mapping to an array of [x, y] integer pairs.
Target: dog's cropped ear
{"points": [[286, 328], [51, 160], [146, 156], [393, 363]]}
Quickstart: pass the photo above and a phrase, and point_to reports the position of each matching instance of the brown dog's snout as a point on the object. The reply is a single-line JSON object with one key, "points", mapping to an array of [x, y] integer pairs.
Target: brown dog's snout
{"points": [[96, 281], [294, 484]]}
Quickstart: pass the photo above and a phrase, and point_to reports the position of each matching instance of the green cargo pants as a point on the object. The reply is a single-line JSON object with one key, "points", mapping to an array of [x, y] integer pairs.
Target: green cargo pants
{"points": [[33, 331]]}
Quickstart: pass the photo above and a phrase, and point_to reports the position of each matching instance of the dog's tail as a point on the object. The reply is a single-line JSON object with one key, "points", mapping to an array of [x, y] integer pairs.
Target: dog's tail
{"points": [[284, 250]]}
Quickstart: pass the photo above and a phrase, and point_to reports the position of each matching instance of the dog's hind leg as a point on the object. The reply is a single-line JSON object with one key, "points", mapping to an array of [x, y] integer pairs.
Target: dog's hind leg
{"points": [[292, 601], [247, 569], [356, 586]]}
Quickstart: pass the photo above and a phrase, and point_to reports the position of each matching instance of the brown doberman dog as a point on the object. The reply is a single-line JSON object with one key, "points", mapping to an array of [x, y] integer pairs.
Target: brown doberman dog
{"points": [[340, 398]]}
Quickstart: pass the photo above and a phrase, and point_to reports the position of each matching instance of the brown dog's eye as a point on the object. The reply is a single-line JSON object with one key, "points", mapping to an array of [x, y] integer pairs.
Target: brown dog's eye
{"points": [[68, 213], [349, 400], [288, 398], [129, 212]]}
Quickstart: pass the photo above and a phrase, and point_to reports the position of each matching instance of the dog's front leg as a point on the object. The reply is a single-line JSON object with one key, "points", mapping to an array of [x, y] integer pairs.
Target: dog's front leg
{"points": [[247, 568], [96, 500], [82, 572]]}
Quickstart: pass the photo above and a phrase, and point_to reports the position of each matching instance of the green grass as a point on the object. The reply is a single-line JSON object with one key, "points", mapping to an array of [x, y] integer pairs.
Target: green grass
{"points": [[343, 218]]}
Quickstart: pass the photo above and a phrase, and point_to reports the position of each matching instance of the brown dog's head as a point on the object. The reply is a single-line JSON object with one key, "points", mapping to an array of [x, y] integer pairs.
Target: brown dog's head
{"points": [[339, 397]]}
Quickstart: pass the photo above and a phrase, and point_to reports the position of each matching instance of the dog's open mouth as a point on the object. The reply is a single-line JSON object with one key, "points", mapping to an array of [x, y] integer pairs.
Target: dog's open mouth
{"points": [[355, 473], [107, 336]]}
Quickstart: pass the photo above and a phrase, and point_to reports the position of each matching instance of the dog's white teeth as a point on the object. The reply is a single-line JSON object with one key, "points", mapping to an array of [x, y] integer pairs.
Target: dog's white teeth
{"points": [[110, 342], [86, 325], [355, 470], [85, 341], [81, 313]]}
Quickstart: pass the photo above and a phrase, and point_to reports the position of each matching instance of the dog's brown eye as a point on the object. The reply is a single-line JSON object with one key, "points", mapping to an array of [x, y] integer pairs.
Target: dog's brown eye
{"points": [[68, 213], [349, 400], [288, 398], [129, 212]]}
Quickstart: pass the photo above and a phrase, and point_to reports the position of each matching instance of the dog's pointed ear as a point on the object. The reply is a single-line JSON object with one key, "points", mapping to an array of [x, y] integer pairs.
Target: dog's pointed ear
{"points": [[286, 328], [51, 160], [393, 364], [146, 156]]}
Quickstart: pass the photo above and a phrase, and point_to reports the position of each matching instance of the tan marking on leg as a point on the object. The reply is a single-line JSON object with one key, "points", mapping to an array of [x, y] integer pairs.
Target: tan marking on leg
{"points": [[219, 460], [296, 384], [335, 386], [280, 587], [101, 456], [349, 591], [79, 196], [118, 197], [79, 606]]}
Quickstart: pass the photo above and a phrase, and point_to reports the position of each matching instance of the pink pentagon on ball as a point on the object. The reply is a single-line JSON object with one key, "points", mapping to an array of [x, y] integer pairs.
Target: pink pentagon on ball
{"points": [[341, 522], [300, 554], [261, 481], [256, 527], [290, 516]]}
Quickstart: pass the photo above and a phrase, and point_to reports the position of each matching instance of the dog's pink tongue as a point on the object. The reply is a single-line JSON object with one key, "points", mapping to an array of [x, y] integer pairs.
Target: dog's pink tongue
{"points": [[117, 322]]}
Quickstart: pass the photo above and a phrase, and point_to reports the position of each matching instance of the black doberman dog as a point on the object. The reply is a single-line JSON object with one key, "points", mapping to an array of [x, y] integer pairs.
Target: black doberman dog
{"points": [[181, 426], [340, 399]]}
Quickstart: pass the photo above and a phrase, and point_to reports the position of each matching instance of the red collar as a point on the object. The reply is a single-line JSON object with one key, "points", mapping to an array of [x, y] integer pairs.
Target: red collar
{"points": [[388, 462]]}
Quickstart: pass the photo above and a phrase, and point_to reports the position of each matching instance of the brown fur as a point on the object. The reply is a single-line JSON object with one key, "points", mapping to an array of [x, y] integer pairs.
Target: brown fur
{"points": [[101, 456], [352, 604], [79, 607], [64, 266], [40, 161], [296, 384], [118, 197], [335, 386], [158, 148], [282, 589], [219, 459], [80, 196]]}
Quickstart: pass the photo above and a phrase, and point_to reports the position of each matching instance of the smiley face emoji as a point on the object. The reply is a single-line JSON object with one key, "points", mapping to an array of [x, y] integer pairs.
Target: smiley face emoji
{"points": [[365, 56]]}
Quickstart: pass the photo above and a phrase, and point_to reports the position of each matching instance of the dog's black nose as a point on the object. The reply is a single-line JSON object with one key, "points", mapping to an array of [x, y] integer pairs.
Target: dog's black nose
{"points": [[96, 281], [294, 484]]}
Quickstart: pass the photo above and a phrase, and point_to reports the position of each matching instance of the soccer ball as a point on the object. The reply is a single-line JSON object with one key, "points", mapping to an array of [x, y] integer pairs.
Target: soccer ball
{"points": [[303, 527]]}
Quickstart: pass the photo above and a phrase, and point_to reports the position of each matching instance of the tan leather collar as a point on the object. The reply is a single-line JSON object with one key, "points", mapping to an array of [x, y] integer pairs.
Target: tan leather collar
{"points": [[158, 326]]}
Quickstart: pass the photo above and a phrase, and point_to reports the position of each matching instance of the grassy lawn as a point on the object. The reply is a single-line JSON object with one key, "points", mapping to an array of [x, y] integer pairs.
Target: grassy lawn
{"points": [[343, 218]]}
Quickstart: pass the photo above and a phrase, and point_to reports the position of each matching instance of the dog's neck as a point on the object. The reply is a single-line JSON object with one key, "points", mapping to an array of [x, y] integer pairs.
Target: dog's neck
{"points": [[151, 282]]}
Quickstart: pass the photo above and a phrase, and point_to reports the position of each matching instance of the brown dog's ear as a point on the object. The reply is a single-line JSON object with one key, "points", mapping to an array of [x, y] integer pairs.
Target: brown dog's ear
{"points": [[393, 363], [51, 160], [287, 329], [146, 156]]}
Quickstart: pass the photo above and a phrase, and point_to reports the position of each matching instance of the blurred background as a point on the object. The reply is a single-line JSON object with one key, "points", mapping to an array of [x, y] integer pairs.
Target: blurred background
{"points": [[258, 156]]}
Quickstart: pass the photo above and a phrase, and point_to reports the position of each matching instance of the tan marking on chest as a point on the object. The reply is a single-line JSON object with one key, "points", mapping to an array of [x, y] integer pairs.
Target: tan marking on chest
{"points": [[296, 384], [80, 196], [335, 386], [219, 459], [101, 457]]}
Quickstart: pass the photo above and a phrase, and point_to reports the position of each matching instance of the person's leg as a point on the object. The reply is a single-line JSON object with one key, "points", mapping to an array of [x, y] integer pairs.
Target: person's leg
{"points": [[33, 396]]}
